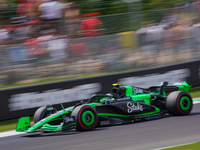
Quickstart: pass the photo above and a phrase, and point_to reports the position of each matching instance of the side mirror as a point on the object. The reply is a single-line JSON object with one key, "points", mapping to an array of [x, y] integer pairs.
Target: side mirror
{"points": [[162, 87], [165, 83]]}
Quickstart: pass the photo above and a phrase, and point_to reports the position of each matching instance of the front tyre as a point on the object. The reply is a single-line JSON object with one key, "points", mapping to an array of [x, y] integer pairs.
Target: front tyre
{"points": [[179, 103], [43, 112], [86, 117]]}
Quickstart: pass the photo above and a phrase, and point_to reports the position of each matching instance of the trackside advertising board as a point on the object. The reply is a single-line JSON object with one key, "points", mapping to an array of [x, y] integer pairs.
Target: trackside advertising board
{"points": [[24, 101]]}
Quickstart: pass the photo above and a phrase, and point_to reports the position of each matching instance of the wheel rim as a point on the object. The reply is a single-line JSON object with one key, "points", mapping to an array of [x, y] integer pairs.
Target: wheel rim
{"points": [[185, 103], [88, 118]]}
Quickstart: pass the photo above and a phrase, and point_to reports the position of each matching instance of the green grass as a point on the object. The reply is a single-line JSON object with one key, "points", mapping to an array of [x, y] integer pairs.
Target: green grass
{"points": [[195, 92], [11, 124], [194, 146], [8, 125]]}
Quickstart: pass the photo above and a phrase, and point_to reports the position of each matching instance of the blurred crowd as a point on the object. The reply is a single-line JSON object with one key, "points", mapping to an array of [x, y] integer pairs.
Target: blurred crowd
{"points": [[179, 31], [52, 31], [43, 30]]}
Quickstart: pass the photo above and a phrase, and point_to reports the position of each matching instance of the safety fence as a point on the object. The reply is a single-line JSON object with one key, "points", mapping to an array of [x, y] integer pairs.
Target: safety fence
{"points": [[65, 57]]}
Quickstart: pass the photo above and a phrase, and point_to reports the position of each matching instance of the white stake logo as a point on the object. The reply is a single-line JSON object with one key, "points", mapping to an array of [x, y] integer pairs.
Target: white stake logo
{"points": [[132, 107]]}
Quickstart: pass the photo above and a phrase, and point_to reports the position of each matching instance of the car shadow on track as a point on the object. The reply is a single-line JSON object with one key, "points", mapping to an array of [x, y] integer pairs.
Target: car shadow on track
{"points": [[64, 133]]}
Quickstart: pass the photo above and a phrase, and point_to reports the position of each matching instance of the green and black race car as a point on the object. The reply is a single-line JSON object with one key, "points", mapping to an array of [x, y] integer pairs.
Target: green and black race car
{"points": [[125, 104]]}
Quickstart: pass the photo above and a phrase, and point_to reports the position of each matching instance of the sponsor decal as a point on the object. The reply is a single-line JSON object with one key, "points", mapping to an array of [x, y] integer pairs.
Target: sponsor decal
{"points": [[178, 83], [137, 91], [132, 107], [147, 80], [68, 119], [55, 96], [105, 122], [50, 108]]}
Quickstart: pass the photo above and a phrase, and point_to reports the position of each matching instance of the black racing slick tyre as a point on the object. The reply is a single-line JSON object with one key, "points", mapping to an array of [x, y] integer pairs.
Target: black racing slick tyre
{"points": [[179, 103], [86, 117], [43, 112]]}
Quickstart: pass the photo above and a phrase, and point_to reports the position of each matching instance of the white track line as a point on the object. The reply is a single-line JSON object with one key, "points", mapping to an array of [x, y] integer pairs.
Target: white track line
{"points": [[10, 133], [172, 146]]}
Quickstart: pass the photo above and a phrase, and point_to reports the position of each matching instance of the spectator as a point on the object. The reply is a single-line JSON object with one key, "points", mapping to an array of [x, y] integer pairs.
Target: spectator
{"points": [[4, 35], [21, 32], [196, 40], [24, 31], [33, 28], [22, 12], [72, 20], [22, 8], [141, 35], [34, 50], [77, 51], [91, 26], [15, 51], [11, 30], [51, 13], [54, 44], [57, 48], [33, 9]]}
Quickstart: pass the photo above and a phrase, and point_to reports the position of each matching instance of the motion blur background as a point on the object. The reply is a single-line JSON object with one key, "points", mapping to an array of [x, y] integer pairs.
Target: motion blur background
{"points": [[42, 39]]}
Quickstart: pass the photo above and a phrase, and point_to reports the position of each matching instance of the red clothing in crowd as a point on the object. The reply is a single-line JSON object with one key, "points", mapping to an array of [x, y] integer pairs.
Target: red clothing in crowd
{"points": [[77, 50], [23, 9], [90, 27], [33, 47]]}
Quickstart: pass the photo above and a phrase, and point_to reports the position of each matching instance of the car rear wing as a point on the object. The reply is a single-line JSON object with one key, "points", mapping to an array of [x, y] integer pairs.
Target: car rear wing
{"points": [[175, 86]]}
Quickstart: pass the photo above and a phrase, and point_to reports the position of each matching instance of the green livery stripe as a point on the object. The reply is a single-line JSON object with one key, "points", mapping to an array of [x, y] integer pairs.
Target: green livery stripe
{"points": [[120, 115]]}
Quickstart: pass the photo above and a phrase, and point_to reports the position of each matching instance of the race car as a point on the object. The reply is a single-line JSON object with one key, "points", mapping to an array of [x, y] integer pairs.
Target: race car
{"points": [[125, 104]]}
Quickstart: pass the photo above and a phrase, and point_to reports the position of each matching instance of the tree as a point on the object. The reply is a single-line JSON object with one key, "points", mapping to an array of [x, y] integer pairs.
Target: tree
{"points": [[159, 4], [103, 6]]}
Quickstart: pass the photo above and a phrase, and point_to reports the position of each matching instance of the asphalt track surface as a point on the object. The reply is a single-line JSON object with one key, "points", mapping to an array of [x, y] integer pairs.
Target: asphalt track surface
{"points": [[145, 135]]}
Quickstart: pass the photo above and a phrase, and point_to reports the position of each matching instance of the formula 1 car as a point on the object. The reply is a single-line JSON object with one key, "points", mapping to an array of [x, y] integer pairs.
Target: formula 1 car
{"points": [[125, 104]]}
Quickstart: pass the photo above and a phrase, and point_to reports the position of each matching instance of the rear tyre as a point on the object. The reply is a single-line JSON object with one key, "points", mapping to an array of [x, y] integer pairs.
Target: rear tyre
{"points": [[43, 112], [179, 103], [86, 117]]}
